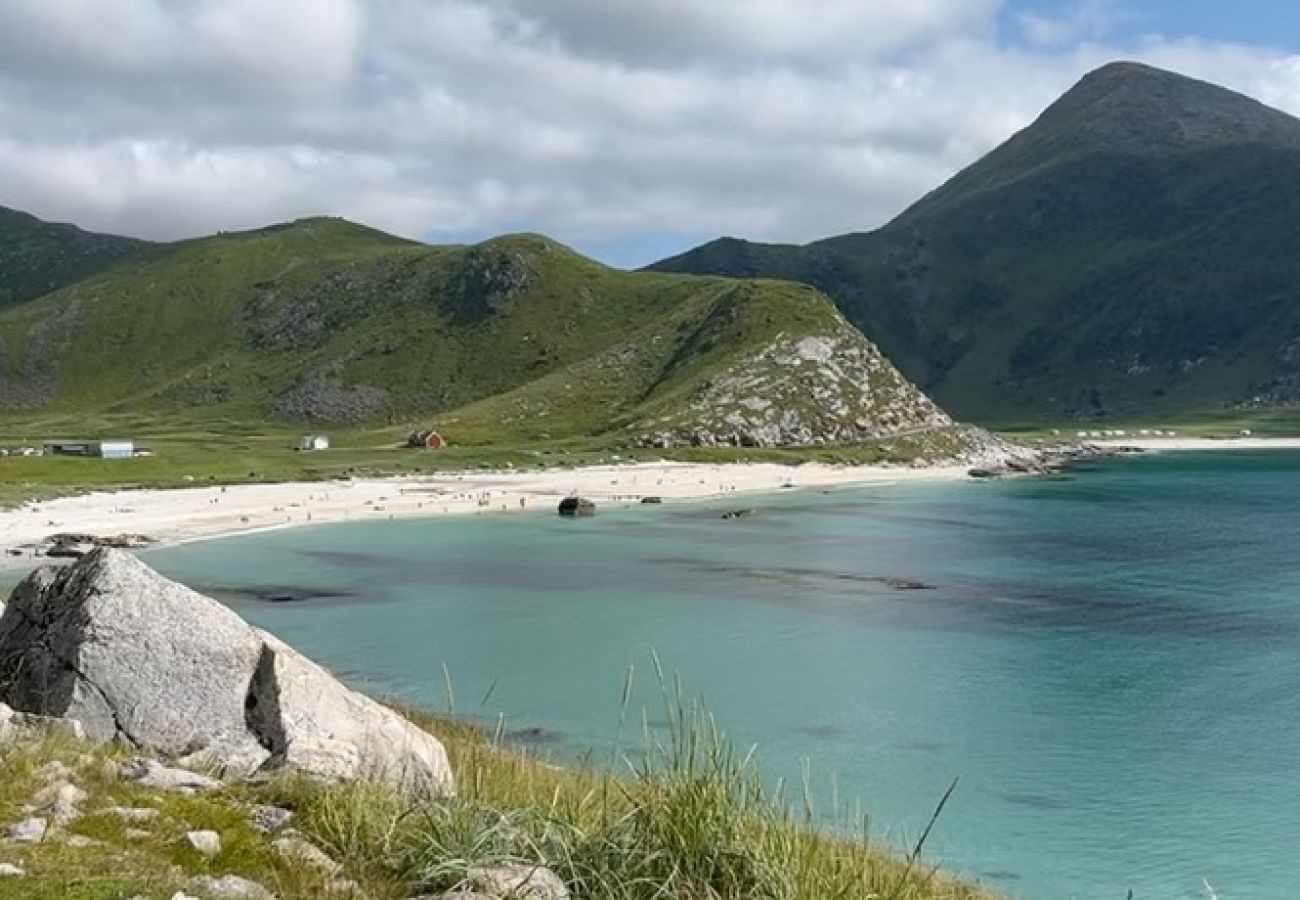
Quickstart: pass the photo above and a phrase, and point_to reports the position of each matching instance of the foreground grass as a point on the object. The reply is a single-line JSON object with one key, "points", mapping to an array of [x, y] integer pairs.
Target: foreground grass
{"points": [[688, 819]]}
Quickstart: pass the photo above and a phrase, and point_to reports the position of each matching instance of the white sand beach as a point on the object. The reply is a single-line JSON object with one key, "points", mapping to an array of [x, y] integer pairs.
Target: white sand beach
{"points": [[1203, 443], [175, 516]]}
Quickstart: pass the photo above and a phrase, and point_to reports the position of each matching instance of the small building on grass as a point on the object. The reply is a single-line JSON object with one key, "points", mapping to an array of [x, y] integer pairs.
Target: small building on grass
{"points": [[427, 438], [100, 449], [312, 442]]}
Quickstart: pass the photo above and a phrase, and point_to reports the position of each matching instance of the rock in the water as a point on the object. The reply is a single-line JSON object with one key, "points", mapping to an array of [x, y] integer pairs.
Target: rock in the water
{"points": [[206, 842], [28, 831], [231, 887], [518, 882], [9, 870], [135, 656], [151, 773]]}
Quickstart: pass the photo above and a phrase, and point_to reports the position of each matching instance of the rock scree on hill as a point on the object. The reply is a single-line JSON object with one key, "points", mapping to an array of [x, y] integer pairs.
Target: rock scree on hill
{"points": [[136, 657]]}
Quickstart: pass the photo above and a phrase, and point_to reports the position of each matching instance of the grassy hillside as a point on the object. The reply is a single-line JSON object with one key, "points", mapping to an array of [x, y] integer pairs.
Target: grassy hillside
{"points": [[324, 321], [38, 257], [1128, 255]]}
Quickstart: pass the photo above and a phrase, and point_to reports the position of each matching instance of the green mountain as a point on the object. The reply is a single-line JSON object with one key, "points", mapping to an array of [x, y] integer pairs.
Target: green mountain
{"points": [[322, 320], [1132, 252], [38, 257]]}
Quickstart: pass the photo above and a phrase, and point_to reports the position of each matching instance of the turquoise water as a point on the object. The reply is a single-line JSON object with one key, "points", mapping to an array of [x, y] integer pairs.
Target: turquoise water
{"points": [[1110, 663]]}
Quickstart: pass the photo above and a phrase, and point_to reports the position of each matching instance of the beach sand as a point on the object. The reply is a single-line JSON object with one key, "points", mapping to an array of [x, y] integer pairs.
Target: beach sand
{"points": [[1195, 443], [188, 514]]}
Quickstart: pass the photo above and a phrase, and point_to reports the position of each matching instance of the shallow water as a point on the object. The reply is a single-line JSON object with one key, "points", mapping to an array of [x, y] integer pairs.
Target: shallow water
{"points": [[1110, 663]]}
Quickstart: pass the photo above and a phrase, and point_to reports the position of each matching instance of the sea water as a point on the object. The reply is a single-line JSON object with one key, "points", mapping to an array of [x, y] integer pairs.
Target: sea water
{"points": [[1109, 662]]}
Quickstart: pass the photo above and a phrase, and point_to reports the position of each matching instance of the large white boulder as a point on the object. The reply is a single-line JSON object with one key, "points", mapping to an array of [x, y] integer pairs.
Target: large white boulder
{"points": [[137, 657]]}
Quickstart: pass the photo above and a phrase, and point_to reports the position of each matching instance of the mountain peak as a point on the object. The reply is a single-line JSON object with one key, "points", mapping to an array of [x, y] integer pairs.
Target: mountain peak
{"points": [[1132, 107]]}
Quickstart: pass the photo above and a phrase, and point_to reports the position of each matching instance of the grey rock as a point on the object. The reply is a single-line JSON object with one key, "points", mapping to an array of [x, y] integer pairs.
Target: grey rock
{"points": [[231, 887], [9, 870], [179, 895], [153, 774], [136, 834], [138, 657], [206, 842], [317, 725], [267, 819], [28, 831], [299, 849], [129, 654], [18, 726], [61, 800], [518, 882], [133, 813]]}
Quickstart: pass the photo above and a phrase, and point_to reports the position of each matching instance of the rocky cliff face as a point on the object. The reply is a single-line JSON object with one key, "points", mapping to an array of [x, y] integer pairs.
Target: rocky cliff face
{"points": [[809, 390]]}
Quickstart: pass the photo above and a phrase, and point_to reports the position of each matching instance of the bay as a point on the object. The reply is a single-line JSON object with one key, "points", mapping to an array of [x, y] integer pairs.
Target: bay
{"points": [[1109, 662]]}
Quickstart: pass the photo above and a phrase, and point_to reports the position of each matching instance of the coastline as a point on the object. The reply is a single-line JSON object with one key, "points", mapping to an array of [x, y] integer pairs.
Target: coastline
{"points": [[1201, 443], [182, 515], [175, 516]]}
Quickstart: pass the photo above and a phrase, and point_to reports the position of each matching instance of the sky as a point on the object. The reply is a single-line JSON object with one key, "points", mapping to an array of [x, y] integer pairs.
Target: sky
{"points": [[629, 129]]}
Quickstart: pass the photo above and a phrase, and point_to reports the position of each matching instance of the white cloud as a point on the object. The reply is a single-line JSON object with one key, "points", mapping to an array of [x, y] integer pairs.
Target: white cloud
{"points": [[586, 119]]}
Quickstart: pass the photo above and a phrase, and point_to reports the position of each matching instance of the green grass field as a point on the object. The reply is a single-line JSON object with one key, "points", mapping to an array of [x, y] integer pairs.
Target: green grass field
{"points": [[195, 451]]}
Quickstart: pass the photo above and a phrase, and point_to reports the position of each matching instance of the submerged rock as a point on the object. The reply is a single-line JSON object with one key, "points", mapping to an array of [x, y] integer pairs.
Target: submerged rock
{"points": [[577, 506], [138, 657]]}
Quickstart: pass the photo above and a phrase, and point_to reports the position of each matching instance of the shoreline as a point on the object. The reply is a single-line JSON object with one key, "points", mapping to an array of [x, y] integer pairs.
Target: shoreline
{"points": [[1200, 443], [170, 517], [174, 516]]}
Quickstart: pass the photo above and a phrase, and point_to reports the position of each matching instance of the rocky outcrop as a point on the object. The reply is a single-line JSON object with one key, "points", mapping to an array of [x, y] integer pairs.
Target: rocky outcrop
{"points": [[139, 658], [834, 388]]}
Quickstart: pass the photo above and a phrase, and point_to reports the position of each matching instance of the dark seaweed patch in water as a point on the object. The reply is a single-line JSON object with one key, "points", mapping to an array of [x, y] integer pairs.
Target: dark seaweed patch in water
{"points": [[789, 574], [1034, 801], [283, 594], [534, 736], [1000, 875], [361, 676], [924, 746], [344, 557], [819, 731]]}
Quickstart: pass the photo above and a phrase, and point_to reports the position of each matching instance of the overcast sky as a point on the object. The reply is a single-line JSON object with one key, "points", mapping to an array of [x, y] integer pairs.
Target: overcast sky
{"points": [[629, 128]]}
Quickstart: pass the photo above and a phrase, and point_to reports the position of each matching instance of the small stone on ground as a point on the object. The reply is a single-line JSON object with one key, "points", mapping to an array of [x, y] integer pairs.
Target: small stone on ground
{"points": [[206, 842], [133, 813], [519, 882], [292, 847], [9, 870], [269, 818], [154, 774], [28, 831], [231, 887]]}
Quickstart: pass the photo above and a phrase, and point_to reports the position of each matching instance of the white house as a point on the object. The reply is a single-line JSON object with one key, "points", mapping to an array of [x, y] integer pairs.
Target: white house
{"points": [[313, 442]]}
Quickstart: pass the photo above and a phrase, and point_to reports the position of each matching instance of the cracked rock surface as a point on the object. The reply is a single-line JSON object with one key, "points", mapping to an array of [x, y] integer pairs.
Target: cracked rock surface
{"points": [[139, 658]]}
